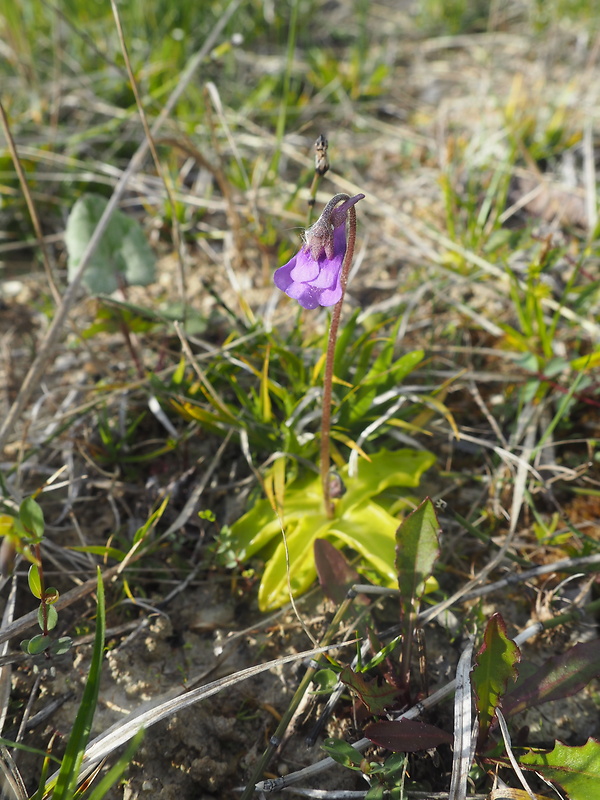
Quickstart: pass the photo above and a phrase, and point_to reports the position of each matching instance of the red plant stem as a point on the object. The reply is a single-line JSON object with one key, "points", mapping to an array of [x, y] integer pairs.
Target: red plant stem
{"points": [[38, 555], [328, 379]]}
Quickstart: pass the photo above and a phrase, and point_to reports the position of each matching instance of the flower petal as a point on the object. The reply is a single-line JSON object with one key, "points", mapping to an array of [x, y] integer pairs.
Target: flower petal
{"points": [[313, 275], [304, 294], [282, 277], [330, 297], [306, 268], [330, 268]]}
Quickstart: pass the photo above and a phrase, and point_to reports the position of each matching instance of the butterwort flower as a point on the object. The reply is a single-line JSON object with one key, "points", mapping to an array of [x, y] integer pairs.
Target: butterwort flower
{"points": [[312, 276]]}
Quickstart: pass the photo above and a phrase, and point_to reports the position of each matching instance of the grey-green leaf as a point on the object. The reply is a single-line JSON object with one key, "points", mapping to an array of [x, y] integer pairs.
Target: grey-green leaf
{"points": [[123, 255], [38, 644], [61, 646]]}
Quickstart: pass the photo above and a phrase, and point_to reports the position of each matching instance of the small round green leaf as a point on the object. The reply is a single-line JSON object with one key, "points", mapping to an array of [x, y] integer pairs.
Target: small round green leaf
{"points": [[38, 644], [51, 617], [61, 646], [325, 681], [32, 518], [51, 595], [35, 584]]}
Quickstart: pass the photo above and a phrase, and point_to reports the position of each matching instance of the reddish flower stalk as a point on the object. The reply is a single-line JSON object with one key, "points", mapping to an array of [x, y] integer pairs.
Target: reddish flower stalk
{"points": [[317, 275]]}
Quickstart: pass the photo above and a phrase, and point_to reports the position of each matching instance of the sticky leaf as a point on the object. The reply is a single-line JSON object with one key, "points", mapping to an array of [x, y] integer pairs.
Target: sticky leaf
{"points": [[359, 522]]}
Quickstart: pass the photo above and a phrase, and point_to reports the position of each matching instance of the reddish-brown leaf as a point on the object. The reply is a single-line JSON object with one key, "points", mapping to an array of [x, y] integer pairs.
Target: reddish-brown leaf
{"points": [[406, 735], [336, 576], [376, 698]]}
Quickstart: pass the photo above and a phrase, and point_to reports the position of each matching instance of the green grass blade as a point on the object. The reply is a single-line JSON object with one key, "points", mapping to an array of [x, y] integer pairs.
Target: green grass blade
{"points": [[116, 771], [67, 776]]}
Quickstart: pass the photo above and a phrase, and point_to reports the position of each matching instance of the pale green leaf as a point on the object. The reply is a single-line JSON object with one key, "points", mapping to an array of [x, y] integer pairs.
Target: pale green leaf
{"points": [[370, 530], [576, 769], [32, 518], [33, 579], [123, 255]]}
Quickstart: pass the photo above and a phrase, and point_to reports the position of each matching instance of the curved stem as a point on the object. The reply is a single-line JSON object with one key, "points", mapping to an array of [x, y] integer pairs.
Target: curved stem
{"points": [[328, 379], [38, 554]]}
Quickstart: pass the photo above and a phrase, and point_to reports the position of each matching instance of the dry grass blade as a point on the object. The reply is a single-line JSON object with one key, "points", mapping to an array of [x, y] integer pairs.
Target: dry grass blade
{"points": [[517, 503], [465, 734], [175, 701], [191, 504], [511, 756], [178, 241], [11, 782], [41, 241], [6, 671], [423, 237]]}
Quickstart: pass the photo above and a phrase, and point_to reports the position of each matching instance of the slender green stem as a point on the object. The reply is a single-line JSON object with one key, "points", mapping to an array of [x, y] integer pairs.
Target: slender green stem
{"points": [[572, 616], [38, 554], [314, 187], [328, 379], [321, 167]]}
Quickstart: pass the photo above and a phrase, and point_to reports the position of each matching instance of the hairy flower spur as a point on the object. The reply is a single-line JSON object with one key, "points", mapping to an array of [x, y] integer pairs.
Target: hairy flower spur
{"points": [[313, 275]]}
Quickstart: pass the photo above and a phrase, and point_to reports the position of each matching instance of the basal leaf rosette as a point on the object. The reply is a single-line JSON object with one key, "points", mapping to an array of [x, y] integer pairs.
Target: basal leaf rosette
{"points": [[361, 522]]}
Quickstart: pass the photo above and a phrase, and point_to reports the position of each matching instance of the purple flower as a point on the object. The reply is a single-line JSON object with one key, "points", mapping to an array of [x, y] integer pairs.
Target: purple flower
{"points": [[312, 276]]}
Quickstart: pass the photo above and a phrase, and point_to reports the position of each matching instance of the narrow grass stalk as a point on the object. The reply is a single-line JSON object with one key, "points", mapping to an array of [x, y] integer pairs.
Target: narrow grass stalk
{"points": [[321, 167], [35, 220], [177, 238]]}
